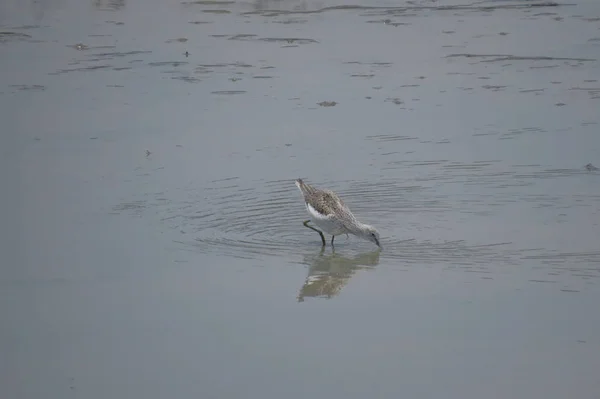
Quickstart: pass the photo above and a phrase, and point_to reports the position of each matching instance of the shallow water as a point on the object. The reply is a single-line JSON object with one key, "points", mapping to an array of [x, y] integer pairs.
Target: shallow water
{"points": [[153, 245]]}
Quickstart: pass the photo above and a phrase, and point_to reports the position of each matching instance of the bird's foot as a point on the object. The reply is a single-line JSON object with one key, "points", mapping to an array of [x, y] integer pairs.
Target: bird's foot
{"points": [[306, 222]]}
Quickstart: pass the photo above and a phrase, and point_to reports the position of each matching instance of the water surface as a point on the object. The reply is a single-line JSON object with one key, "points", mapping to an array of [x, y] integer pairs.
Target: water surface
{"points": [[153, 245]]}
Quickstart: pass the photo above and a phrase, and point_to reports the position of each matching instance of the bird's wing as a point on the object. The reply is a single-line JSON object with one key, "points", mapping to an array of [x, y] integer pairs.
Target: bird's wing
{"points": [[340, 210], [322, 202], [336, 203]]}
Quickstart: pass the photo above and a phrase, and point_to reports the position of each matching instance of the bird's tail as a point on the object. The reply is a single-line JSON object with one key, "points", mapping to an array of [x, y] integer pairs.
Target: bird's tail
{"points": [[303, 187]]}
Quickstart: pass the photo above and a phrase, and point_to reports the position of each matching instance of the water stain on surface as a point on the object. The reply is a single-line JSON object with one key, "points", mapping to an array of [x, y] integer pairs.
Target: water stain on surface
{"points": [[388, 22], [390, 137], [224, 65], [167, 63], [131, 207], [493, 88], [327, 103], [29, 87], [383, 10], [217, 11], [178, 40], [531, 90], [594, 92], [187, 79], [509, 57], [289, 40], [109, 5], [374, 64], [8, 36], [394, 100], [228, 92], [208, 2], [29, 27], [242, 36], [82, 69], [291, 21], [116, 54]]}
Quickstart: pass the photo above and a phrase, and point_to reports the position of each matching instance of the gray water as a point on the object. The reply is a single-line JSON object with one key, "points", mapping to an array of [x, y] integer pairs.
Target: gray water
{"points": [[459, 130]]}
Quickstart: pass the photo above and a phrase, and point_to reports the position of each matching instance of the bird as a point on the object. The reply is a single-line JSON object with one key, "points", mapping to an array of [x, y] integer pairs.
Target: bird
{"points": [[329, 212]]}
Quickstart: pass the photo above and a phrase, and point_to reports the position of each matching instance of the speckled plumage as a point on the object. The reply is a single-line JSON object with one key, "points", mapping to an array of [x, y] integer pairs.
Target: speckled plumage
{"points": [[330, 213]]}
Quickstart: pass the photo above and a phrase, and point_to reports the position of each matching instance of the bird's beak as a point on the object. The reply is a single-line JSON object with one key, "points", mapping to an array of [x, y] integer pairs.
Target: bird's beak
{"points": [[378, 244]]}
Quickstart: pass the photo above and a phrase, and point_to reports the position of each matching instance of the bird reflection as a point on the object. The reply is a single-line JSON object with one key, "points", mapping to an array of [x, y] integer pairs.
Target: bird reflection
{"points": [[328, 274]]}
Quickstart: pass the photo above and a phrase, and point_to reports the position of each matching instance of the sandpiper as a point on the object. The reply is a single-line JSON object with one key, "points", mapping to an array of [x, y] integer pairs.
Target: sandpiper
{"points": [[329, 212]]}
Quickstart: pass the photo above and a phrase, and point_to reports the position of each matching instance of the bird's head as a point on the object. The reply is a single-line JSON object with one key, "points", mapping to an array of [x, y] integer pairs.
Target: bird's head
{"points": [[370, 233]]}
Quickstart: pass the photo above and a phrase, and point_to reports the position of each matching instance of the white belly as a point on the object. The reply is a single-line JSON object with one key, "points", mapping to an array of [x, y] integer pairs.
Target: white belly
{"points": [[329, 225]]}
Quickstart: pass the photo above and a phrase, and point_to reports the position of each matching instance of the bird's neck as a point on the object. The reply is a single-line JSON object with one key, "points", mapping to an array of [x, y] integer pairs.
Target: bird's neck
{"points": [[360, 229]]}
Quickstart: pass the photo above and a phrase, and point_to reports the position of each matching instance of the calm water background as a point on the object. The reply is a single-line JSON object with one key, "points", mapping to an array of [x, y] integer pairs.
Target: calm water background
{"points": [[460, 131]]}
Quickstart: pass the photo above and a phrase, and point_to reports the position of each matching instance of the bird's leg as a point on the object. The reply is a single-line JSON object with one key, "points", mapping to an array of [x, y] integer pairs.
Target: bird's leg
{"points": [[306, 222], [332, 237]]}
